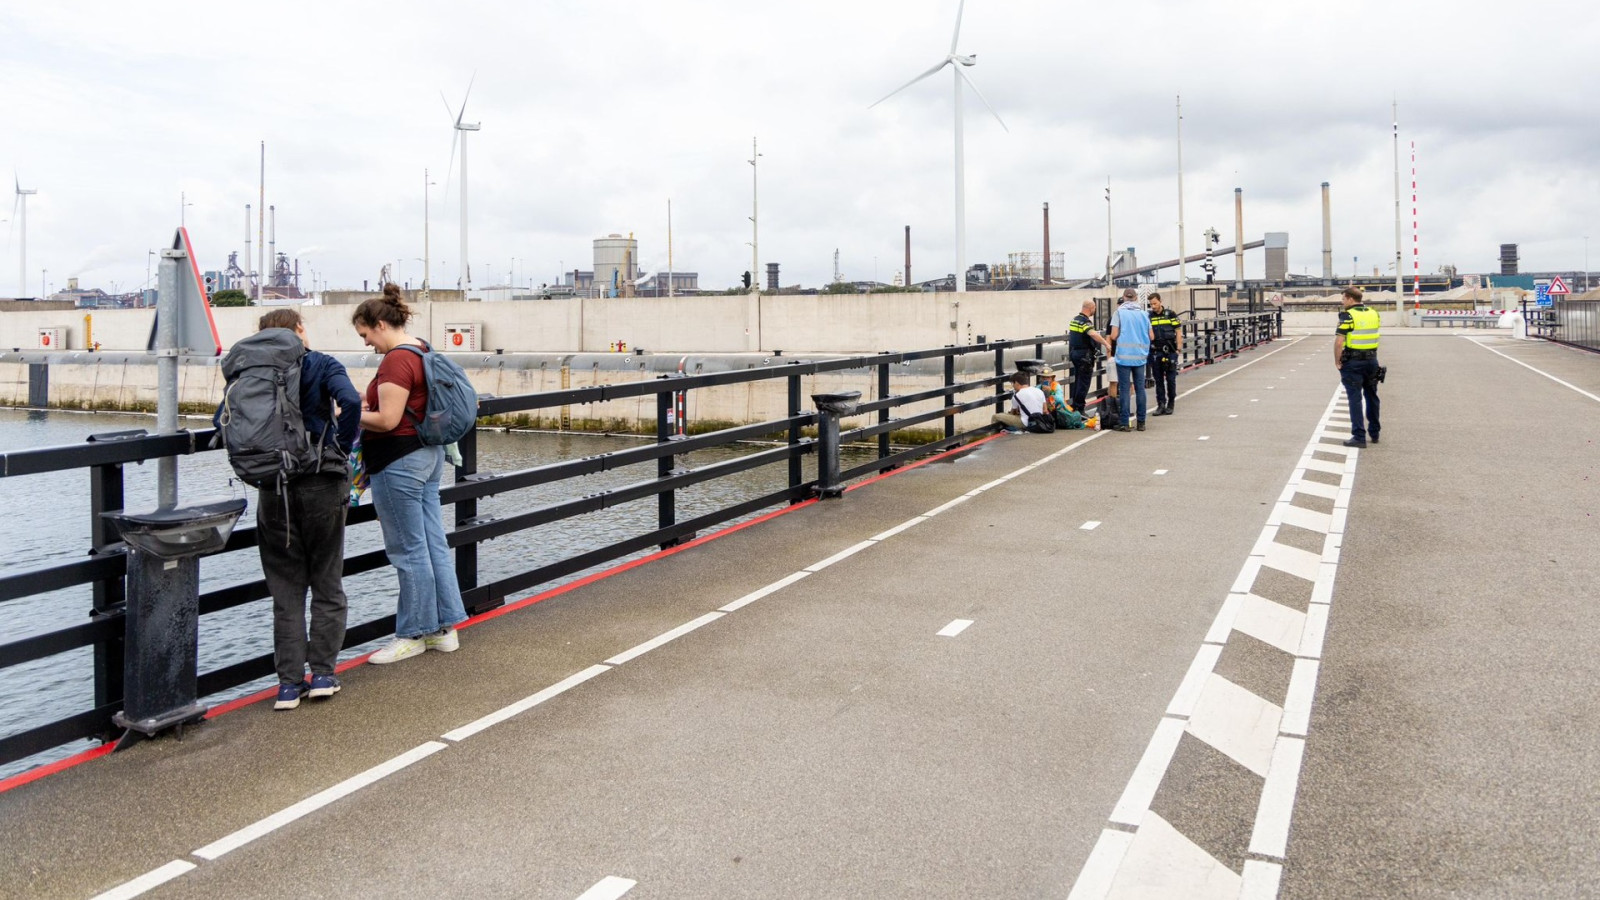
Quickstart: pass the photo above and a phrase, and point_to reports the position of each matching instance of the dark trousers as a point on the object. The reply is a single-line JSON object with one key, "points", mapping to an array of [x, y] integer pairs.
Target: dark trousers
{"points": [[1082, 374], [1164, 368], [303, 548], [1360, 377]]}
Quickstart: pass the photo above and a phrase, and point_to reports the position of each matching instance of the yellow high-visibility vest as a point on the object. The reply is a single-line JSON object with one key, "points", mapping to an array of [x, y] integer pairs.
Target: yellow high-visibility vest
{"points": [[1364, 333]]}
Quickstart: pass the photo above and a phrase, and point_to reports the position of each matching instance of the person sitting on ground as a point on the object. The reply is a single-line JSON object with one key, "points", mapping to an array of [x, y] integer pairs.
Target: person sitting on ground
{"points": [[1026, 400]]}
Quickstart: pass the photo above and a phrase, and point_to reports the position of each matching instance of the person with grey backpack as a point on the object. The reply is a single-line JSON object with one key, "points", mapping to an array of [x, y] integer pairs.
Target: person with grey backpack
{"points": [[418, 403], [288, 418]]}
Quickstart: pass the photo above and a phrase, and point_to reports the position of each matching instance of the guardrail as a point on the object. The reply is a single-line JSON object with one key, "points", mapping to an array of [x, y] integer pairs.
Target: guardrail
{"points": [[104, 456]]}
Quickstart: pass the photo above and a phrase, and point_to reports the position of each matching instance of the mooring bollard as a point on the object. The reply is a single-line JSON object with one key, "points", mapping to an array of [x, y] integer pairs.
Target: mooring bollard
{"points": [[831, 408], [160, 663]]}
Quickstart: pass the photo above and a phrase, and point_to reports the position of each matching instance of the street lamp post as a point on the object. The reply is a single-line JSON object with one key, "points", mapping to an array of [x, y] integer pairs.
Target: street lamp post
{"points": [[183, 208]]}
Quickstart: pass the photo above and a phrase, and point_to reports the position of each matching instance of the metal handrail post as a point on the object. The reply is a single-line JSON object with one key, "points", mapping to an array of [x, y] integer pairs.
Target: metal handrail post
{"points": [[883, 414], [950, 396], [467, 510], [796, 469], [110, 595], [666, 501]]}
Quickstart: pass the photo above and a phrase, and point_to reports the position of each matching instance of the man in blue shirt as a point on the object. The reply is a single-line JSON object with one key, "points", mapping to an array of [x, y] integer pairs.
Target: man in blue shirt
{"points": [[1131, 334]]}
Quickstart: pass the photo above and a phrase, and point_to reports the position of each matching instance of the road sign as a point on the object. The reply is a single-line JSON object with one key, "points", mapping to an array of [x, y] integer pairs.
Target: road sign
{"points": [[1558, 286], [197, 331], [1541, 295]]}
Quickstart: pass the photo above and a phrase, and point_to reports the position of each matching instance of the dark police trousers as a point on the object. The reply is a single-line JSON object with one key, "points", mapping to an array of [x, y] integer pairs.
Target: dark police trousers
{"points": [[1082, 374], [1164, 367], [300, 552], [1360, 377]]}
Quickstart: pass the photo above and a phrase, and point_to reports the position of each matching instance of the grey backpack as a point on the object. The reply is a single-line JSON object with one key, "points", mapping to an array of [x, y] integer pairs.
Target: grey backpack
{"points": [[260, 423]]}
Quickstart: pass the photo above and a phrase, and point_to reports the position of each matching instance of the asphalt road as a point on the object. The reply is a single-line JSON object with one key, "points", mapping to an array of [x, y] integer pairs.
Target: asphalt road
{"points": [[824, 739]]}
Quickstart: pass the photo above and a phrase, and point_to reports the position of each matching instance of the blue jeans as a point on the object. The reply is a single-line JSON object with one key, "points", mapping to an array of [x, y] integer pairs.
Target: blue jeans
{"points": [[1360, 378], [406, 494], [1135, 374]]}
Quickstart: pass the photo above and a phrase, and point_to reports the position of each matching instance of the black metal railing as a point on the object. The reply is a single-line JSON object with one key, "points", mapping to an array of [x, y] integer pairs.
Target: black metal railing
{"points": [[104, 456]]}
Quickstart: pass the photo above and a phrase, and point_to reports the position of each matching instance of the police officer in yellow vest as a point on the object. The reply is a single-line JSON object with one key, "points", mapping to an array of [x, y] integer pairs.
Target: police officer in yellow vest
{"points": [[1165, 351], [1355, 355]]}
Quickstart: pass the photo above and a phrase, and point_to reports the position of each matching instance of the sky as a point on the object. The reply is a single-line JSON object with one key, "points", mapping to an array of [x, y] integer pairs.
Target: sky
{"points": [[596, 115]]}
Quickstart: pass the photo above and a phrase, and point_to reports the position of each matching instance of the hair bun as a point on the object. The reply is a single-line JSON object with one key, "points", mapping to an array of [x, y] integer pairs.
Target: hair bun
{"points": [[391, 293]]}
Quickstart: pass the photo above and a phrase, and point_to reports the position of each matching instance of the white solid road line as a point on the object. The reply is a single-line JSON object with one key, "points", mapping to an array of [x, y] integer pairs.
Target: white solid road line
{"points": [[663, 638], [1532, 369], [1141, 789], [154, 878], [954, 628], [758, 593], [316, 801], [1101, 869], [525, 704], [608, 888], [846, 553]]}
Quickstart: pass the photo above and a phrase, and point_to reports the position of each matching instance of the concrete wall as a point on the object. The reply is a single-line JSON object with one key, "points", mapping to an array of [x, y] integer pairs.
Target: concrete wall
{"points": [[832, 323]]}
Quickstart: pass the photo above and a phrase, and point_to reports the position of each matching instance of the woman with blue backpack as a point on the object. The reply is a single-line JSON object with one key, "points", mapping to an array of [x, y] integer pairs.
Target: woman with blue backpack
{"points": [[405, 460]]}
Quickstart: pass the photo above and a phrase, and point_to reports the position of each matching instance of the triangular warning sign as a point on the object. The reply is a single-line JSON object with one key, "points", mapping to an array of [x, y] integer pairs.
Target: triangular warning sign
{"points": [[1557, 286]]}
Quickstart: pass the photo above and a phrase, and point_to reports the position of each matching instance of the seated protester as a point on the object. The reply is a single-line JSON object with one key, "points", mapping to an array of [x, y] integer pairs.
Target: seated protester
{"points": [[1027, 401], [1054, 397]]}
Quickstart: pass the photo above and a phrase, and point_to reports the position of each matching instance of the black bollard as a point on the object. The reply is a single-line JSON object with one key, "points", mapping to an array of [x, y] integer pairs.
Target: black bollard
{"points": [[830, 408], [160, 664]]}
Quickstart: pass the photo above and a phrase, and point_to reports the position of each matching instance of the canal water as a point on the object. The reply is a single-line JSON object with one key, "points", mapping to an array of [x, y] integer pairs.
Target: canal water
{"points": [[44, 519]]}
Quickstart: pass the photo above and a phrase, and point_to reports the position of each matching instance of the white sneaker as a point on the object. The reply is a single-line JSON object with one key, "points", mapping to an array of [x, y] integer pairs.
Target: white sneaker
{"points": [[400, 648], [445, 641]]}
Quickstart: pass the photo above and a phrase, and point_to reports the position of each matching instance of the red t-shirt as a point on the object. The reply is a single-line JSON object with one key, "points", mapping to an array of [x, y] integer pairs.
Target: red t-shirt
{"points": [[403, 368]]}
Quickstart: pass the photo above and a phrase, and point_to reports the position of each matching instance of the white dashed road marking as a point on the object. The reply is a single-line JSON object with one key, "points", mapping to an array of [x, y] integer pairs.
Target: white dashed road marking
{"points": [[955, 628], [608, 888]]}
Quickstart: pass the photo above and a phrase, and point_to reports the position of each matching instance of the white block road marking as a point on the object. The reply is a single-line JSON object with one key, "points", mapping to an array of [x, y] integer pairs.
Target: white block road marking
{"points": [[608, 888], [846, 553], [155, 878], [1089, 526], [1293, 560], [770, 589], [1271, 623], [525, 704], [1264, 541], [1297, 704], [954, 628], [1194, 681], [1234, 416], [1205, 437], [1340, 515], [1237, 722], [1161, 471], [663, 638], [317, 801], [1255, 400], [1271, 834], [1300, 517], [1318, 489], [1247, 576], [909, 523], [1163, 863], [1260, 880], [1094, 882], [1322, 588], [1317, 465], [1135, 800]]}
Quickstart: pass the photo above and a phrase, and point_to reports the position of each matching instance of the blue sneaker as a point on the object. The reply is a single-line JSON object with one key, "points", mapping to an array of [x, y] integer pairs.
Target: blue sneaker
{"points": [[323, 687], [289, 695]]}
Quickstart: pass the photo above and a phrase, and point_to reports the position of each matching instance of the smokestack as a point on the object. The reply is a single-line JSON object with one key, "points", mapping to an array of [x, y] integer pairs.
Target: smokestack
{"points": [[1238, 239], [772, 276], [1047, 245], [1327, 238], [908, 256], [247, 256], [272, 246]]}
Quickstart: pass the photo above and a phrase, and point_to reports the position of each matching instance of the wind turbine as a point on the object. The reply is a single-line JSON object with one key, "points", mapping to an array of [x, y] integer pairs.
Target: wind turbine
{"points": [[460, 137], [21, 204], [956, 63]]}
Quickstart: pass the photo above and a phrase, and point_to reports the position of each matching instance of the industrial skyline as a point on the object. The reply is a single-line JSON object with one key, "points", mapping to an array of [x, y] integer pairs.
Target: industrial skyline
{"points": [[602, 139]]}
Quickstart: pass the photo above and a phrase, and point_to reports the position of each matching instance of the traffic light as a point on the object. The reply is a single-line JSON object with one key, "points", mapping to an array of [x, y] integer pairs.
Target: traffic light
{"points": [[747, 281], [211, 283]]}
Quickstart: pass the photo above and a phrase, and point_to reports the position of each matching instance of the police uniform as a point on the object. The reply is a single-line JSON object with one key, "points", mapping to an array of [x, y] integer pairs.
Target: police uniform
{"points": [[1164, 359], [1358, 370], [1080, 353]]}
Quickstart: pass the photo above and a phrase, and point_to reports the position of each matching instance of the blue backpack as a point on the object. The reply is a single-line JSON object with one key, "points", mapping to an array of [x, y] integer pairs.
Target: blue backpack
{"points": [[452, 408]]}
